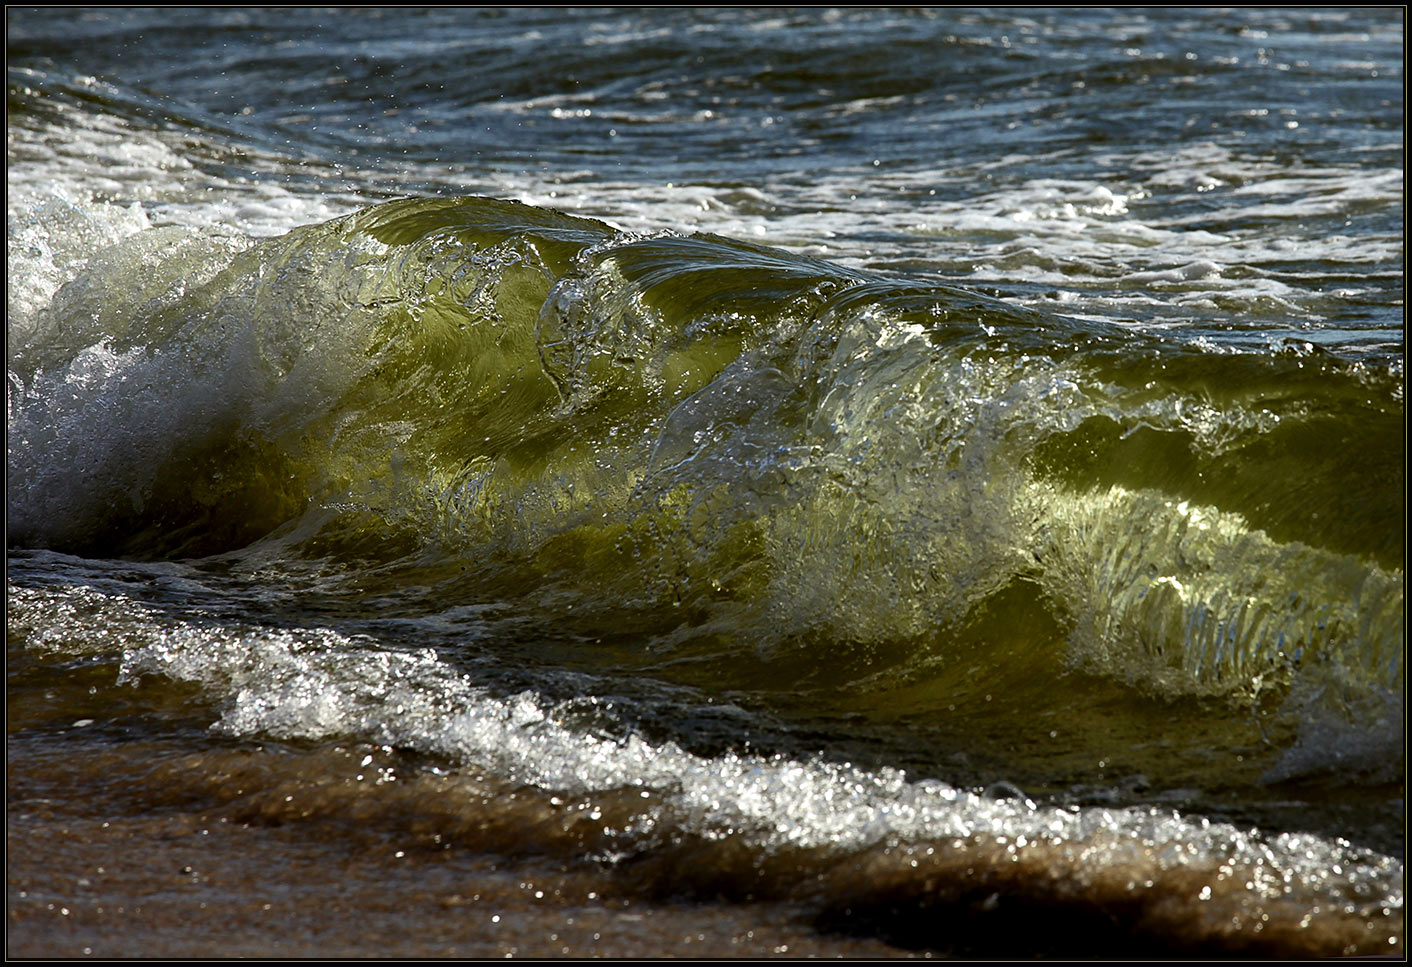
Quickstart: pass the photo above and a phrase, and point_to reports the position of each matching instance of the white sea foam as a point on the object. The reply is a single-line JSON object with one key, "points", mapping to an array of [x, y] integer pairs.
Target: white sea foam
{"points": [[316, 684]]}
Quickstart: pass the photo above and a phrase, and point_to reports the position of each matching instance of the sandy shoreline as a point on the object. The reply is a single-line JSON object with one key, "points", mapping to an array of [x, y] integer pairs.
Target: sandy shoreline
{"points": [[101, 876]]}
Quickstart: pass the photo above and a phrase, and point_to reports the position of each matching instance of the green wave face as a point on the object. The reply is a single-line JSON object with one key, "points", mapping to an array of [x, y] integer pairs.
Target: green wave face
{"points": [[735, 467]]}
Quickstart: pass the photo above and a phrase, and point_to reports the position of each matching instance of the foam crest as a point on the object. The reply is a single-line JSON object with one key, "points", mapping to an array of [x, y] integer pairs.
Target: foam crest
{"points": [[315, 684]]}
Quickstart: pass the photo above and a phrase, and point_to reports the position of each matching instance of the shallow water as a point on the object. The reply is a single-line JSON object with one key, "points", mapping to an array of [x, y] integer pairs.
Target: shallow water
{"points": [[834, 483]]}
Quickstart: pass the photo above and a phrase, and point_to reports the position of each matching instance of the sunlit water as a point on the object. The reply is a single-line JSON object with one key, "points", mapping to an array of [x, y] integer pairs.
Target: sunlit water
{"points": [[917, 479]]}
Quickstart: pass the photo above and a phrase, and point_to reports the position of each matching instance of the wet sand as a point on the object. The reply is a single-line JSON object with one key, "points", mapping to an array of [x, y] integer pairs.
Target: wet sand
{"points": [[159, 849], [98, 873]]}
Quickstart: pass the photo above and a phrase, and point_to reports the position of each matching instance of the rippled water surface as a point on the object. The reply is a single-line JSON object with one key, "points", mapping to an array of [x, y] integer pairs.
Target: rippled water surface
{"points": [[705, 483]]}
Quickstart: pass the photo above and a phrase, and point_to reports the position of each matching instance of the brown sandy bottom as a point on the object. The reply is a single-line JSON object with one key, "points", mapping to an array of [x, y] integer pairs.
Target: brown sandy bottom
{"points": [[88, 877], [164, 848], [171, 887]]}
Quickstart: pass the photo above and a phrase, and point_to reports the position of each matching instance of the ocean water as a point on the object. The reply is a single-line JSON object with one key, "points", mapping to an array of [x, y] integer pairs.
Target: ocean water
{"points": [[705, 482]]}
